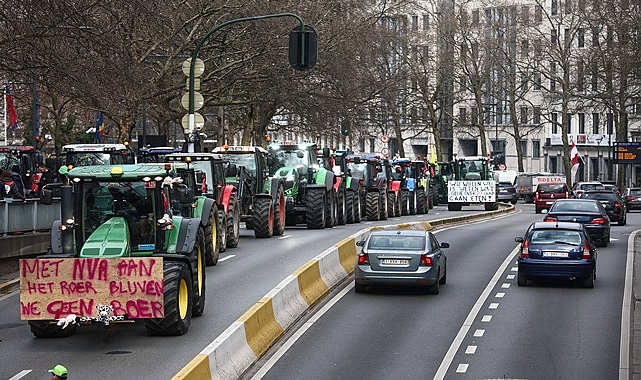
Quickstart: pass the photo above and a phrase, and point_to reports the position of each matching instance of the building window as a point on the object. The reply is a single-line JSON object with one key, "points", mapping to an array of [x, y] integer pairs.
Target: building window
{"points": [[580, 74], [536, 148], [426, 53], [568, 6], [554, 8], [581, 37], [553, 36], [537, 81], [595, 36], [524, 48], [524, 148], [524, 82], [537, 47], [610, 122], [474, 113], [553, 76], [595, 123], [637, 108], [554, 117], [536, 119], [569, 125], [525, 14], [426, 22], [414, 23], [538, 13], [595, 77], [462, 116], [581, 123], [523, 115], [372, 144], [475, 17]]}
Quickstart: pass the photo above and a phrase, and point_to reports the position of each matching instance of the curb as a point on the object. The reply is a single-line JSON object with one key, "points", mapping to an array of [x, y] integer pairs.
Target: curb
{"points": [[9, 286], [237, 348]]}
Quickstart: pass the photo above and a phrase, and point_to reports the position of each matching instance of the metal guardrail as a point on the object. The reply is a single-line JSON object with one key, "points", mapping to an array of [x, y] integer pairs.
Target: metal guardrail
{"points": [[27, 216]]}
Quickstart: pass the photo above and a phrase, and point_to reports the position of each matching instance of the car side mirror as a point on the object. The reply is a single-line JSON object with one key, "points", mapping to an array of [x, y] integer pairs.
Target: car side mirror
{"points": [[518, 239], [360, 243], [444, 245]]}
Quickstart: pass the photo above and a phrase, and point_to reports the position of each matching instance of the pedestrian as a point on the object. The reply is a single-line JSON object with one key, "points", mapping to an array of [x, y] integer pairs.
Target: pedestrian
{"points": [[59, 372], [11, 189], [46, 176]]}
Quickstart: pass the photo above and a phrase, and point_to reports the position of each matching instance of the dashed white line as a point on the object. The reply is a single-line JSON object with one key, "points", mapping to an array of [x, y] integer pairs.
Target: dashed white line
{"points": [[486, 318], [462, 368], [510, 277], [226, 257], [478, 333], [505, 285], [499, 295], [21, 374], [470, 350], [493, 306], [284, 237]]}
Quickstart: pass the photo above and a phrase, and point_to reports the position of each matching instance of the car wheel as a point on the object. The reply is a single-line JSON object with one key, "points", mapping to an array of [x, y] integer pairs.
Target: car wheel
{"points": [[443, 279], [359, 288], [521, 280], [433, 289]]}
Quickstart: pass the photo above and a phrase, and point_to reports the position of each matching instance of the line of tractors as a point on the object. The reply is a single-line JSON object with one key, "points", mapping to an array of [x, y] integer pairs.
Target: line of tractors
{"points": [[183, 212]]}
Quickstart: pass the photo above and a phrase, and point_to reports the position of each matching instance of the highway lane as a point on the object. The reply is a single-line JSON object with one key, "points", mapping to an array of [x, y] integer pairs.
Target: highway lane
{"points": [[243, 276], [543, 331]]}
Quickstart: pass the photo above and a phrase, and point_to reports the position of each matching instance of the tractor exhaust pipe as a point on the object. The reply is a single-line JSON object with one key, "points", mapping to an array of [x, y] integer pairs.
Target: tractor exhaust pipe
{"points": [[66, 206]]}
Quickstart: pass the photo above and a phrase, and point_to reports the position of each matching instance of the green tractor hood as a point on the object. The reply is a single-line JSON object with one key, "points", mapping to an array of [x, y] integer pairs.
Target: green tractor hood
{"points": [[291, 177], [111, 239]]}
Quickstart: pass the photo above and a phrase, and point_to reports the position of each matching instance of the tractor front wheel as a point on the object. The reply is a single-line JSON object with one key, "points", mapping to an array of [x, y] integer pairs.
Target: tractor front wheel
{"points": [[263, 217], [233, 222], [212, 248], [279, 214], [178, 302], [197, 258]]}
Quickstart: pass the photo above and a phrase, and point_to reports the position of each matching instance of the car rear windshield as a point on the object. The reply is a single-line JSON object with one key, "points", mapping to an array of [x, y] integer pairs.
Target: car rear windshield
{"points": [[556, 236], [635, 192], [573, 206], [553, 188], [397, 242], [600, 196]]}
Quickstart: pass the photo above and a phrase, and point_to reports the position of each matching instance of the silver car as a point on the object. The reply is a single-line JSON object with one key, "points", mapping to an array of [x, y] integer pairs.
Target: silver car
{"points": [[401, 258]]}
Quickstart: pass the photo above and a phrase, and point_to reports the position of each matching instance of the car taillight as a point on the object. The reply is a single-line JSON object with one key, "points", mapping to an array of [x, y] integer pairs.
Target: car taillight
{"points": [[525, 252], [363, 258], [550, 219], [598, 221], [630, 197], [618, 205], [586, 251], [567, 195], [426, 260]]}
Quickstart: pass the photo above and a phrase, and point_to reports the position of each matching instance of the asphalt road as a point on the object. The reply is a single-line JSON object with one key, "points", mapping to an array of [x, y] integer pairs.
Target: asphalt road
{"points": [[242, 277], [480, 326]]}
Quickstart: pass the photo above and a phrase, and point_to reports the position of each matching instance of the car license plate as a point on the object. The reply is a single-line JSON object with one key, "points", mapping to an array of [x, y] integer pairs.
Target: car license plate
{"points": [[555, 254], [397, 262]]}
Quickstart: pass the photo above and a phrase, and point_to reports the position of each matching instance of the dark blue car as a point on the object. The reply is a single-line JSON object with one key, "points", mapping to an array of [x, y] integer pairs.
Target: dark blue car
{"points": [[557, 250], [588, 212]]}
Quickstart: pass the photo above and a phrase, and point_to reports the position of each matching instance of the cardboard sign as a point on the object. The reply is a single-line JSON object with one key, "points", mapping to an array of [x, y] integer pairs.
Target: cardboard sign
{"points": [[56, 287], [471, 191]]}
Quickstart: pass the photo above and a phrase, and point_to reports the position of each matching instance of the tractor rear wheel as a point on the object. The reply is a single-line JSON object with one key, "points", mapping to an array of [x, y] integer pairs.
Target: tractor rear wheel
{"points": [[421, 202], [413, 202], [233, 222], [315, 214], [350, 212], [279, 214], [197, 258], [178, 302], [45, 329], [393, 207], [358, 207], [372, 206], [330, 209], [263, 217], [405, 202], [222, 233], [212, 248], [341, 209]]}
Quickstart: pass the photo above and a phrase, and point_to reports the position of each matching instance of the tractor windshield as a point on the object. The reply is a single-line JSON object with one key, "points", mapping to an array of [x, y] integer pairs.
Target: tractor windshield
{"points": [[291, 158], [245, 160], [357, 170], [133, 201], [94, 158], [473, 170]]}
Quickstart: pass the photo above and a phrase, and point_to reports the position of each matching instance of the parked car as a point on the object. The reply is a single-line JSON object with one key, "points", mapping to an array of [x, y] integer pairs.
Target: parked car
{"points": [[547, 193], [401, 258], [612, 202], [581, 187], [632, 198], [557, 250], [507, 193], [588, 212]]}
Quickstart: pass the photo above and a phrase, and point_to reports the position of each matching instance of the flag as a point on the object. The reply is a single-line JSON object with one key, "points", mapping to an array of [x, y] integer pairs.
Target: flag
{"points": [[100, 126], [13, 116], [574, 154]]}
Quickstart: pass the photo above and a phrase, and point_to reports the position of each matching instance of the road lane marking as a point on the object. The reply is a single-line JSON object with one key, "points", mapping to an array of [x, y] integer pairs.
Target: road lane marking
{"points": [[626, 311], [467, 324], [486, 318], [478, 333], [505, 285], [499, 295], [493, 306], [226, 257], [462, 368], [21, 374], [470, 350], [510, 277], [284, 237]]}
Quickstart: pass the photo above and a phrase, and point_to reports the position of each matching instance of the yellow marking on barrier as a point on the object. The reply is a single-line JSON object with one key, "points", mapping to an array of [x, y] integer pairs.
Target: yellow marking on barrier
{"points": [[310, 283], [376, 228], [261, 327], [427, 226], [404, 226], [347, 254], [197, 369]]}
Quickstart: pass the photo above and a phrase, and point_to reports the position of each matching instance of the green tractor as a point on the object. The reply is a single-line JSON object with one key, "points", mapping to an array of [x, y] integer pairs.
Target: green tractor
{"points": [[216, 201], [443, 174], [309, 185], [116, 224], [262, 198], [473, 182]]}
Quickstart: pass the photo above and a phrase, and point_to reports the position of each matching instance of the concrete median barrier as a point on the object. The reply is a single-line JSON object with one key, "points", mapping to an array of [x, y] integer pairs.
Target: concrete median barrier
{"points": [[248, 339]]}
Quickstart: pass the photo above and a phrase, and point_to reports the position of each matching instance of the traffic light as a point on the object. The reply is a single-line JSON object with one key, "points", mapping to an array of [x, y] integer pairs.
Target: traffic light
{"points": [[345, 131], [303, 46]]}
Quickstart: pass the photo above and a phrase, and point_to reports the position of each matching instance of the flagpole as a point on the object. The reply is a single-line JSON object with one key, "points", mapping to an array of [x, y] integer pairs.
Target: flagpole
{"points": [[4, 101]]}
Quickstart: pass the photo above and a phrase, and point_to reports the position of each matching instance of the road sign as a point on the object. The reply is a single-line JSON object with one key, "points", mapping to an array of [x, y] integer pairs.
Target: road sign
{"points": [[502, 166], [385, 138], [385, 151], [627, 153]]}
